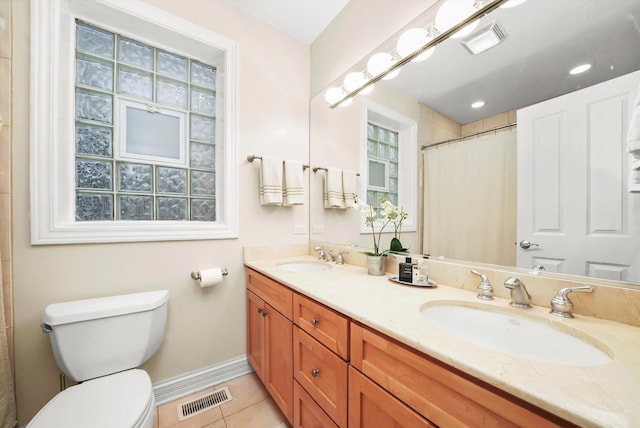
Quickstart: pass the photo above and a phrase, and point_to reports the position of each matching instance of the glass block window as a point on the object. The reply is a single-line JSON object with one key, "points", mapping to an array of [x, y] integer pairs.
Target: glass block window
{"points": [[382, 154], [145, 128]]}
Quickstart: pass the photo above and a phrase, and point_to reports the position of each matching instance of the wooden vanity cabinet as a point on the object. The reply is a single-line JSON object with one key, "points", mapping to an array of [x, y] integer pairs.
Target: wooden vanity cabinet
{"points": [[270, 337], [324, 370], [370, 406], [320, 357], [445, 396], [306, 412]]}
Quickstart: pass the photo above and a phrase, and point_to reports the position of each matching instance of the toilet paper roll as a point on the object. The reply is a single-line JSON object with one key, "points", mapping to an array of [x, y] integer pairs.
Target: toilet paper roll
{"points": [[210, 277]]}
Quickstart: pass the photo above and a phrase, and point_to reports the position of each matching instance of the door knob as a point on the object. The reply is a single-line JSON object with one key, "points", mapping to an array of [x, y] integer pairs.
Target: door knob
{"points": [[314, 321], [315, 372], [526, 244]]}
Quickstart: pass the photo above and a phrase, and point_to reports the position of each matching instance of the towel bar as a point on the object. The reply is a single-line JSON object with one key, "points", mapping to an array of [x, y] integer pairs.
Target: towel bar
{"points": [[251, 158], [316, 168]]}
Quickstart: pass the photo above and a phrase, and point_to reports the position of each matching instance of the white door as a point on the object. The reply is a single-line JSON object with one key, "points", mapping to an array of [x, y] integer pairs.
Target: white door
{"points": [[573, 204]]}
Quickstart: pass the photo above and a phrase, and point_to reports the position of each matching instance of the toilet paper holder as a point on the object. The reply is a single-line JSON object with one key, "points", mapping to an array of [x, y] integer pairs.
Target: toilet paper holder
{"points": [[196, 274]]}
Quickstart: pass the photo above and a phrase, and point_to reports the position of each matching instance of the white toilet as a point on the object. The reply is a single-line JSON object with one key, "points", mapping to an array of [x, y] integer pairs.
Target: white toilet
{"points": [[100, 342]]}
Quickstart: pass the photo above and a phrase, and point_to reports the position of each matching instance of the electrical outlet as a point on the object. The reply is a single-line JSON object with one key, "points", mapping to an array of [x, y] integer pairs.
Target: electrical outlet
{"points": [[299, 229], [318, 229]]}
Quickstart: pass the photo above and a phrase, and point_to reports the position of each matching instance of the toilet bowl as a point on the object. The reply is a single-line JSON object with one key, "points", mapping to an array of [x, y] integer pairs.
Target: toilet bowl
{"points": [[99, 343], [121, 400]]}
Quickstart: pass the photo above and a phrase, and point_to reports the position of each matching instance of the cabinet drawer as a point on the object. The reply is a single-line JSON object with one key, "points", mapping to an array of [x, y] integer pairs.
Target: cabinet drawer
{"points": [[278, 296], [322, 373], [371, 406], [324, 324], [306, 412], [440, 393]]}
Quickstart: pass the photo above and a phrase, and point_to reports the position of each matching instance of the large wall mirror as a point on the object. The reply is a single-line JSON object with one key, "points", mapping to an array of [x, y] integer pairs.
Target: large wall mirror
{"points": [[469, 191]]}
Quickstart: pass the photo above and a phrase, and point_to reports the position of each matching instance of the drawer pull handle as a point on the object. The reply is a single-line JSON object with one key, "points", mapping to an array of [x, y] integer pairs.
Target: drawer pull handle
{"points": [[315, 372], [264, 313], [260, 310], [314, 321]]}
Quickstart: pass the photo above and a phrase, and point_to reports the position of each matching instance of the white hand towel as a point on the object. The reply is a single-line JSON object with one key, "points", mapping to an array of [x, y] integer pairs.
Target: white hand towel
{"points": [[271, 181], [293, 183], [349, 187], [333, 194]]}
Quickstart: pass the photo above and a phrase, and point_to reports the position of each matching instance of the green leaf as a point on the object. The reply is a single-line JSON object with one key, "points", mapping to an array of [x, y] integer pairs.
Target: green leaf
{"points": [[396, 245]]}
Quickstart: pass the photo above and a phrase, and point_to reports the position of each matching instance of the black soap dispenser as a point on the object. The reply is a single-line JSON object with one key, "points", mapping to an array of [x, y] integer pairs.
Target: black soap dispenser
{"points": [[405, 271]]}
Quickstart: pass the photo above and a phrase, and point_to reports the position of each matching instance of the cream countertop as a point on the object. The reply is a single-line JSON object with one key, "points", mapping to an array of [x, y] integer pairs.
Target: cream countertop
{"points": [[603, 396]]}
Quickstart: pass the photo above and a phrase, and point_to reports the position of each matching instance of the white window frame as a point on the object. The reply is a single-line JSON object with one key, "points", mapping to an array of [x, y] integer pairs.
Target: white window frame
{"points": [[122, 152], [370, 186], [407, 160], [52, 142]]}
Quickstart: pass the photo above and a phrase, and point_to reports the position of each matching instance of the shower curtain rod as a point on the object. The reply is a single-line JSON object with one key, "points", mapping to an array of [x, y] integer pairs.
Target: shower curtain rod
{"points": [[464, 137]]}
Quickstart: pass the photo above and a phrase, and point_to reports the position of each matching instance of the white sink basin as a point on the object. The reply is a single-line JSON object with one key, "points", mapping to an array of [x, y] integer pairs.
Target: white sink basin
{"points": [[512, 334], [304, 266]]}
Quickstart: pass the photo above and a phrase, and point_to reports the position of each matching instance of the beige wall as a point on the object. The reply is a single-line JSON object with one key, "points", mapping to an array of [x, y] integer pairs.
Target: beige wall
{"points": [[205, 326]]}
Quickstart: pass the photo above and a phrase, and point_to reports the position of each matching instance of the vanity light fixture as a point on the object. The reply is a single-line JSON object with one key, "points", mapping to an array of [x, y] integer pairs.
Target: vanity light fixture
{"points": [[413, 39], [454, 11], [382, 62], [387, 65], [580, 69], [512, 3], [355, 80], [477, 104]]}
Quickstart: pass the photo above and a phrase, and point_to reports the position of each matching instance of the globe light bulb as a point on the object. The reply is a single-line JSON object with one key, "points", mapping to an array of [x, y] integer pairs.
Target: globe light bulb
{"points": [[381, 62], [333, 95], [452, 12]]}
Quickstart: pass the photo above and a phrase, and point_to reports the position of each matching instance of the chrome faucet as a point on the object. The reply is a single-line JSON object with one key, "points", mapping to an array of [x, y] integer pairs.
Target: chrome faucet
{"points": [[561, 306], [485, 290], [323, 254], [340, 257], [520, 298]]}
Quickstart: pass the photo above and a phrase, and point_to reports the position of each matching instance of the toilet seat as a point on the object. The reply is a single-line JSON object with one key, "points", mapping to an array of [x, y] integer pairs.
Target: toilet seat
{"points": [[121, 400]]}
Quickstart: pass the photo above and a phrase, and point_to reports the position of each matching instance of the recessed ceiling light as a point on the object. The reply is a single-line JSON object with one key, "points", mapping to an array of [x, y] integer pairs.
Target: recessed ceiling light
{"points": [[477, 104], [580, 69]]}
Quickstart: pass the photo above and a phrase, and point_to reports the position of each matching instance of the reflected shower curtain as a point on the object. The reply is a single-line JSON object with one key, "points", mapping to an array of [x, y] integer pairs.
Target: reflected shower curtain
{"points": [[470, 199], [7, 396]]}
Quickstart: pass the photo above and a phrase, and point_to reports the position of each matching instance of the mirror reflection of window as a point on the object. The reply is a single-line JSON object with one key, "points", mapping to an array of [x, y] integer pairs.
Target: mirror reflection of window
{"points": [[382, 152]]}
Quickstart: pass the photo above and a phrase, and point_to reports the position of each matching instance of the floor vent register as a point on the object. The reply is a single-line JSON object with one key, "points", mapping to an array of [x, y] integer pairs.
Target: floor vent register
{"points": [[203, 403]]}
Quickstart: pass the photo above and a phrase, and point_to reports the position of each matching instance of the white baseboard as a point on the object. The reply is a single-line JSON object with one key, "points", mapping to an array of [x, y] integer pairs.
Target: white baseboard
{"points": [[183, 385]]}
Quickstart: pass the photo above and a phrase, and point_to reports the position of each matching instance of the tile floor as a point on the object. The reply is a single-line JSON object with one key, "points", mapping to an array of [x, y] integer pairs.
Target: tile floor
{"points": [[251, 407]]}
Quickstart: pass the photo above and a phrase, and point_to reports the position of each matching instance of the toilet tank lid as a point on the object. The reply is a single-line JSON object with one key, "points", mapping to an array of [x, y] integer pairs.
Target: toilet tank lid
{"points": [[103, 307]]}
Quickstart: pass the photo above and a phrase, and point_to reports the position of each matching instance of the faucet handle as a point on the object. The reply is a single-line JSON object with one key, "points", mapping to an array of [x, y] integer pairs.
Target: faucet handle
{"points": [[485, 290], [340, 257], [561, 306]]}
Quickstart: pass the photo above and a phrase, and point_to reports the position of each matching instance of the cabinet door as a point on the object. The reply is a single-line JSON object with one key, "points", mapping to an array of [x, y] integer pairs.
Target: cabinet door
{"points": [[322, 373], [371, 406], [279, 359], [255, 334], [306, 412]]}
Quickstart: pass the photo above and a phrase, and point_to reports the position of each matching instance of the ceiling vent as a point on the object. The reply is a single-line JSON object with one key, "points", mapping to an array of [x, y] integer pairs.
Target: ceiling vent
{"points": [[485, 38]]}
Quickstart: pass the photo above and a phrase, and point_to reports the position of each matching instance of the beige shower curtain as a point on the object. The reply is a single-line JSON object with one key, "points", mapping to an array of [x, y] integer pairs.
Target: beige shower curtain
{"points": [[470, 199], [7, 396]]}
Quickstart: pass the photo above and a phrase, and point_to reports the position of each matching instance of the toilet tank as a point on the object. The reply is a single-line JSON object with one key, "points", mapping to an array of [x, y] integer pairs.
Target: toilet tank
{"points": [[96, 337]]}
